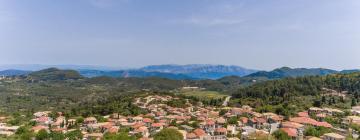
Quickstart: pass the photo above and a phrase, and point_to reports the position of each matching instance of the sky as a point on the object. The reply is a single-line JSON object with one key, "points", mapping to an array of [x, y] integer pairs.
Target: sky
{"points": [[258, 34]]}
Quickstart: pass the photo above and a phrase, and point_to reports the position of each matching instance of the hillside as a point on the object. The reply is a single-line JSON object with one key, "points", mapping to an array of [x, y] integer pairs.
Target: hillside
{"points": [[300, 92], [66, 89], [55, 74], [289, 72], [176, 72], [12, 72], [201, 71], [133, 73]]}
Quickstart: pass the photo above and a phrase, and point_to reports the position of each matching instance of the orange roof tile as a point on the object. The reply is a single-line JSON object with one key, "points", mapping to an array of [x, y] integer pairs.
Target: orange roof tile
{"points": [[191, 136], [199, 132], [157, 124], [292, 132], [221, 130], [303, 114]]}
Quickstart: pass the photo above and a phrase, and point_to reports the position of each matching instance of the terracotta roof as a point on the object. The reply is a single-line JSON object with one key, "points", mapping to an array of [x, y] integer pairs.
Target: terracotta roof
{"points": [[306, 120], [163, 121], [244, 120], [221, 120], [157, 124], [277, 118], [253, 120], [191, 136], [210, 122], [39, 127], [147, 120], [292, 132], [141, 129], [260, 120], [199, 132], [291, 125], [137, 125], [221, 130], [303, 114], [43, 119], [113, 130], [324, 124]]}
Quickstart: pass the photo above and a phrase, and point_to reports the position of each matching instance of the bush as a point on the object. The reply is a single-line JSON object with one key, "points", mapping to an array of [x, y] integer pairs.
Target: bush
{"points": [[281, 135], [168, 134]]}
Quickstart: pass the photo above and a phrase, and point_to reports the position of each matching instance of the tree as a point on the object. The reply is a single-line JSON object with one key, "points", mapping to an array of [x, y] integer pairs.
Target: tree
{"points": [[74, 135], [21, 130], [353, 102], [316, 131], [323, 99], [222, 112], [42, 135], [317, 103], [27, 136], [168, 134], [281, 135], [120, 136], [233, 120], [57, 136], [79, 120]]}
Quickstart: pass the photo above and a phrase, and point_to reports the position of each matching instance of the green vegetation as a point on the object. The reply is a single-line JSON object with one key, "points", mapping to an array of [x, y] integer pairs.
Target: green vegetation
{"points": [[281, 135], [288, 95], [316, 131], [168, 134], [120, 136], [204, 94]]}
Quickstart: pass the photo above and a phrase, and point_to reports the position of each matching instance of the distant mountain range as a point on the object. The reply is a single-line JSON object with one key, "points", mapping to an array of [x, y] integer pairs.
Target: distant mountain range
{"points": [[289, 72], [193, 72], [11, 72], [280, 73], [178, 72]]}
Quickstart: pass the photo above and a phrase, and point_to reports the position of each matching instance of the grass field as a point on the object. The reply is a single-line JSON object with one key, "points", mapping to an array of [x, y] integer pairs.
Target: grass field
{"points": [[204, 94]]}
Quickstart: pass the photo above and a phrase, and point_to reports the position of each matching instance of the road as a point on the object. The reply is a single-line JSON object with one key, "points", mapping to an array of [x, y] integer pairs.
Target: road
{"points": [[227, 99]]}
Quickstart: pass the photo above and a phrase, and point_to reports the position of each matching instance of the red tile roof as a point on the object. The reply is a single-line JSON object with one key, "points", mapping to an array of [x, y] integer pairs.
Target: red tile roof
{"points": [[221, 130], [244, 120], [210, 122], [137, 125], [306, 120], [199, 132], [39, 127], [291, 125], [43, 119], [303, 114], [113, 130], [191, 136], [147, 120], [292, 132], [157, 124], [260, 120]]}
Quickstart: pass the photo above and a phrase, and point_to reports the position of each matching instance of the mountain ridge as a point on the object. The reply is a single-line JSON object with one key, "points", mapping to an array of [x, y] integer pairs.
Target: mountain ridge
{"points": [[197, 72]]}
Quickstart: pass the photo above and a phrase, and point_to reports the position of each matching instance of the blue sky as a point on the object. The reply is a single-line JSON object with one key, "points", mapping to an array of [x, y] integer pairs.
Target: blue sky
{"points": [[259, 34]]}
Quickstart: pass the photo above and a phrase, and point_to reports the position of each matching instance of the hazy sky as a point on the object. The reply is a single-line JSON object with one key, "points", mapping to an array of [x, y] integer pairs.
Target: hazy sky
{"points": [[260, 34]]}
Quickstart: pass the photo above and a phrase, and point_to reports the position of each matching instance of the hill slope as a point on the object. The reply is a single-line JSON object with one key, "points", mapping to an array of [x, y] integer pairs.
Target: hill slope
{"points": [[55, 74], [12, 72], [289, 72], [200, 71]]}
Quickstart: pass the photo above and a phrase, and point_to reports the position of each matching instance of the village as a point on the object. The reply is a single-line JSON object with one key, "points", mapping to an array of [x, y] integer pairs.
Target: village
{"points": [[198, 122]]}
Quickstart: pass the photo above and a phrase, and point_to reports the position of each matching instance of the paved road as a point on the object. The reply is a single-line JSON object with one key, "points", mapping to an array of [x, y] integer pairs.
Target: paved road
{"points": [[227, 99]]}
